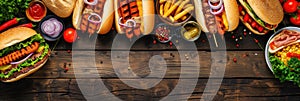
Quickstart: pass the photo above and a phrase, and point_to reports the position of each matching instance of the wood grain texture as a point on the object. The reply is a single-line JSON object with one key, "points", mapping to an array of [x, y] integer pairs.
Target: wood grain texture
{"points": [[250, 64], [67, 90]]}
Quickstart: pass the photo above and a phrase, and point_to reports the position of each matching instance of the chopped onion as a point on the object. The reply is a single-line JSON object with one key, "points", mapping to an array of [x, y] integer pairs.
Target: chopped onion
{"points": [[215, 7], [127, 23], [97, 15], [218, 12], [52, 27], [91, 3], [21, 61]]}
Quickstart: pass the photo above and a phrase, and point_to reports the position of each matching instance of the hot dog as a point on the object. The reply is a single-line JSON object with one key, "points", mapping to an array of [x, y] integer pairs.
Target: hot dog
{"points": [[93, 16], [134, 17], [217, 16]]}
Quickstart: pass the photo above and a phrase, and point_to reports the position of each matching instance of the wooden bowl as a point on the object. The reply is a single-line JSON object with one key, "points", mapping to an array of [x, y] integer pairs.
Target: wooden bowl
{"points": [[168, 21], [30, 17]]}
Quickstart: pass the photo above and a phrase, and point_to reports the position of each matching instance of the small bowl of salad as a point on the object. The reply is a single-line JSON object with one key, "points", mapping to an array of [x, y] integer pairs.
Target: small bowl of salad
{"points": [[51, 27]]}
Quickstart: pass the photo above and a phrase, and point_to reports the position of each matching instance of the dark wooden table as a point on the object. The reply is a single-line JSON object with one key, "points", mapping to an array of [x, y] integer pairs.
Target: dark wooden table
{"points": [[247, 79]]}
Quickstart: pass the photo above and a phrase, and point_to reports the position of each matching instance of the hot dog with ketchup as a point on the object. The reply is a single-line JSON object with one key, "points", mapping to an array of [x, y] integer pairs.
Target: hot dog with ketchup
{"points": [[134, 17]]}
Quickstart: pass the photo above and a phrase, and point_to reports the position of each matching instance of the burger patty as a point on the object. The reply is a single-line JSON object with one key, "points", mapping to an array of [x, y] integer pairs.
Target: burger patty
{"points": [[17, 55], [90, 27], [128, 9], [26, 69]]}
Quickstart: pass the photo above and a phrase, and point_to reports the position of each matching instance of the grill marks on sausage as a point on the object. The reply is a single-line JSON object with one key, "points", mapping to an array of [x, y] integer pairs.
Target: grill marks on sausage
{"points": [[90, 27], [210, 18], [17, 55], [128, 9]]}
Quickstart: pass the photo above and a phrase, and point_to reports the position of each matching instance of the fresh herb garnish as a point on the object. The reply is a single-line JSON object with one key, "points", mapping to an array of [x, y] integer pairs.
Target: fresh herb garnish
{"points": [[10, 8]]}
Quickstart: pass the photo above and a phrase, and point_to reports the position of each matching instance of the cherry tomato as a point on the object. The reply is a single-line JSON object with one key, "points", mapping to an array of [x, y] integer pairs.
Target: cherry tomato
{"points": [[272, 45], [70, 35], [253, 24], [240, 8], [290, 6], [295, 20], [260, 29], [246, 17]]}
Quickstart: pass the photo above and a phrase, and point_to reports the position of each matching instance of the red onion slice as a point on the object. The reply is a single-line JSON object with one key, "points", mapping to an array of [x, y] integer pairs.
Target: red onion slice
{"points": [[130, 21], [97, 15], [215, 7], [119, 22], [127, 23], [52, 27], [91, 3], [218, 12], [21, 61], [48, 27]]}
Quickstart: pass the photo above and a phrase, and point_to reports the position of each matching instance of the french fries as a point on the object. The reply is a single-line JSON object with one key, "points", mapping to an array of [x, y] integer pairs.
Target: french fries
{"points": [[175, 10]]}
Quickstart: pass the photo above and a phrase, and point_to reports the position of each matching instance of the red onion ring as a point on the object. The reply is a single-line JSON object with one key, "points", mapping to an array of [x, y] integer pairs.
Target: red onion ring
{"points": [[218, 12], [119, 22], [215, 7], [52, 27], [127, 23], [132, 21], [95, 14], [91, 3], [48, 28], [21, 61]]}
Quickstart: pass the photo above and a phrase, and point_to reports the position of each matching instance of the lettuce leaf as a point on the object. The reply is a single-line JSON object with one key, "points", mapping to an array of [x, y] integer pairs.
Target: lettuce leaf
{"points": [[288, 72], [35, 38], [28, 62]]}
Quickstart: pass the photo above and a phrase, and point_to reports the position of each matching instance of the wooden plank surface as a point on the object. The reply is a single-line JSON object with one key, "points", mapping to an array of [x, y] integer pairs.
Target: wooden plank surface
{"points": [[67, 89], [250, 64]]}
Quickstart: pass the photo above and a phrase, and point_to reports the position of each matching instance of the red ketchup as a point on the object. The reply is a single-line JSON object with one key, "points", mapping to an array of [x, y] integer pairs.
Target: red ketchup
{"points": [[36, 10]]}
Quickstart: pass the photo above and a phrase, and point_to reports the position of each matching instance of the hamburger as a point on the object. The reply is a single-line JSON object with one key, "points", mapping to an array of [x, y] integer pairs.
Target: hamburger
{"points": [[260, 16], [22, 52], [217, 16]]}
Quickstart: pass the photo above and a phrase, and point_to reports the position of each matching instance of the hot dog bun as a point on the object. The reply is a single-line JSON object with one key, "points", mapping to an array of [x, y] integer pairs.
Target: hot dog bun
{"points": [[232, 14], [147, 19], [106, 17], [231, 11], [61, 8]]}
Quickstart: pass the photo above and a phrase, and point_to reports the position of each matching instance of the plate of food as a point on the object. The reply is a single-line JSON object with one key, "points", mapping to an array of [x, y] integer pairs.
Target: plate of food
{"points": [[282, 54]]}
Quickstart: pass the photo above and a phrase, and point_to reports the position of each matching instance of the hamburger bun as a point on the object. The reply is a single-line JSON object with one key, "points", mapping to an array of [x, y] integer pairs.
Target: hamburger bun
{"points": [[15, 35], [61, 8], [270, 11]]}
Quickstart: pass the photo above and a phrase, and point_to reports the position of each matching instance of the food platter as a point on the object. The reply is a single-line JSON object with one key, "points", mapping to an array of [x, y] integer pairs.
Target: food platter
{"points": [[282, 54], [268, 44]]}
